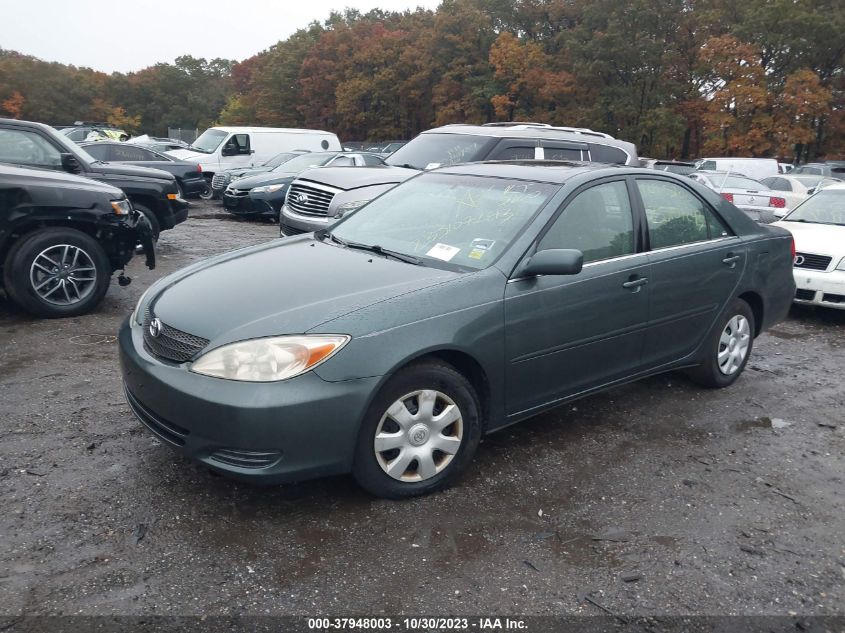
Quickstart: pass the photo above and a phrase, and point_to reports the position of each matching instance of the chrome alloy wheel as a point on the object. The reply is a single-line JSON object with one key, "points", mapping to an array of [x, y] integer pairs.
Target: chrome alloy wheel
{"points": [[418, 436], [63, 274], [733, 344]]}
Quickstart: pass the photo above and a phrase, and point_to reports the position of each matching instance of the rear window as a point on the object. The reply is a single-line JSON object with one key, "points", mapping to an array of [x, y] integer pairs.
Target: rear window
{"points": [[607, 154]]}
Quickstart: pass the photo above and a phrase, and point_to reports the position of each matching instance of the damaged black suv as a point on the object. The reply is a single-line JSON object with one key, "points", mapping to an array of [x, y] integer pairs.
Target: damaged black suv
{"points": [[62, 237]]}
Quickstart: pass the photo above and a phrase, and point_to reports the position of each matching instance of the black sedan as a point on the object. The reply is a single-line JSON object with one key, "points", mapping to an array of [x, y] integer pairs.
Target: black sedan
{"points": [[188, 175], [262, 196], [222, 179], [461, 301]]}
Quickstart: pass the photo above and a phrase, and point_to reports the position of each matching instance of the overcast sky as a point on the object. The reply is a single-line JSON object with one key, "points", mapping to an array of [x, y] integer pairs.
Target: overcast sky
{"points": [[127, 35]]}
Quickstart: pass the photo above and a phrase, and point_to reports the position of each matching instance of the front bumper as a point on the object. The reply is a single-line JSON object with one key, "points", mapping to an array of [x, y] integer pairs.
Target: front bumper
{"points": [[292, 223], [816, 287], [297, 429]]}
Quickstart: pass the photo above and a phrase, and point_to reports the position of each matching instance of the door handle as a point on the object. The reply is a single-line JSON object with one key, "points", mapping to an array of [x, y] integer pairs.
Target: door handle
{"points": [[635, 282], [731, 260]]}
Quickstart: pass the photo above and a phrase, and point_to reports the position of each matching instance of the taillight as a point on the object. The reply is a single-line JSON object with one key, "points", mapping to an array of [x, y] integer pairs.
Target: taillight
{"points": [[793, 249], [728, 196], [777, 203], [199, 168]]}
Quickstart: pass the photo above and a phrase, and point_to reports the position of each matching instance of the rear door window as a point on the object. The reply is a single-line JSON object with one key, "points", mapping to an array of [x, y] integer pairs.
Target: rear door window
{"points": [[561, 150], [676, 216]]}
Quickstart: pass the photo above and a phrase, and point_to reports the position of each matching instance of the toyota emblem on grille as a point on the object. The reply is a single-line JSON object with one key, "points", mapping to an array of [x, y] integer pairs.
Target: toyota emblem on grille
{"points": [[155, 327], [799, 260], [302, 198]]}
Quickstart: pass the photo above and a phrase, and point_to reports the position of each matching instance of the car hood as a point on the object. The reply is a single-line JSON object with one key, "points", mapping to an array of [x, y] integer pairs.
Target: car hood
{"points": [[57, 179], [823, 239], [263, 179], [244, 172], [187, 154], [287, 286], [122, 169], [348, 178]]}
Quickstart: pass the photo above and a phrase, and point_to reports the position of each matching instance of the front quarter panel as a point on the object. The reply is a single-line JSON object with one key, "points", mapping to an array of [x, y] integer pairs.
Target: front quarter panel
{"points": [[463, 315]]}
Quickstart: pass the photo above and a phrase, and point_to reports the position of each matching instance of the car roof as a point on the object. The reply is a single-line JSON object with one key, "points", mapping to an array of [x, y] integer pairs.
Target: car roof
{"points": [[551, 171], [533, 131]]}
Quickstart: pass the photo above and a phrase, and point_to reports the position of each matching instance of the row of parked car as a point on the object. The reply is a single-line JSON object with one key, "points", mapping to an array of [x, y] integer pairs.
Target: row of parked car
{"points": [[307, 180]]}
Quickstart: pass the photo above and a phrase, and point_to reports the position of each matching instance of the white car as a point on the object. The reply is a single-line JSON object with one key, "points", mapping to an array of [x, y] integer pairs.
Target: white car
{"points": [[751, 196], [795, 189], [818, 227]]}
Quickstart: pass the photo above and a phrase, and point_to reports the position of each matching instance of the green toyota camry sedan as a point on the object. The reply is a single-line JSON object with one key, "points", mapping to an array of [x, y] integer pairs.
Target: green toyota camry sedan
{"points": [[466, 299]]}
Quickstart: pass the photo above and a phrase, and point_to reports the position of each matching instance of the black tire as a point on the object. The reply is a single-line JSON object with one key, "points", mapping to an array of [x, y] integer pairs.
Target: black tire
{"points": [[429, 375], [208, 192], [709, 374], [150, 218], [19, 283], [179, 191]]}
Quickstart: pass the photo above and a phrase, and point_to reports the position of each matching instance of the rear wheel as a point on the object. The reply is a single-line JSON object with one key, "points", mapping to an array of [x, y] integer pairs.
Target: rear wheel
{"points": [[728, 348], [208, 192], [57, 272], [420, 433]]}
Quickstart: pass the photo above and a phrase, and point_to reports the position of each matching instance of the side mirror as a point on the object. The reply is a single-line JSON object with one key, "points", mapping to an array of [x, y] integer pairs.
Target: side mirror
{"points": [[554, 261], [230, 150], [70, 164]]}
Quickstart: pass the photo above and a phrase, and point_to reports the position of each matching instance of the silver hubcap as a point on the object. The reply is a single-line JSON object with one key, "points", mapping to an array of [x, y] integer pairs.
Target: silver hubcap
{"points": [[63, 274], [733, 344], [418, 436]]}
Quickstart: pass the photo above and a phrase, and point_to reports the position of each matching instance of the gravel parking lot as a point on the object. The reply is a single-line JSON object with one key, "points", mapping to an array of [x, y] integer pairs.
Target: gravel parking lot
{"points": [[654, 498]]}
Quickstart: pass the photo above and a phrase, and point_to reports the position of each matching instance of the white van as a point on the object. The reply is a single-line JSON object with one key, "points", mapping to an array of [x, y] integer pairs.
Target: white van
{"points": [[220, 148], [754, 168]]}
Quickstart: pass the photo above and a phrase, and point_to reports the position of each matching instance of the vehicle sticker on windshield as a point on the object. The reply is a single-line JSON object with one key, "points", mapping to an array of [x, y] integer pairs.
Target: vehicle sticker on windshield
{"points": [[443, 251], [479, 247]]}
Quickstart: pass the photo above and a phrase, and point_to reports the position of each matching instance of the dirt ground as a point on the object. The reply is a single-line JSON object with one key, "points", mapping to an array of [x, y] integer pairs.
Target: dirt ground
{"points": [[654, 498]]}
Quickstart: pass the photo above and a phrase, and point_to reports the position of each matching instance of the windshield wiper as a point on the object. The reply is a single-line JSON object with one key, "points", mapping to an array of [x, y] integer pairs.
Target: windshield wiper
{"points": [[407, 166], [374, 248]]}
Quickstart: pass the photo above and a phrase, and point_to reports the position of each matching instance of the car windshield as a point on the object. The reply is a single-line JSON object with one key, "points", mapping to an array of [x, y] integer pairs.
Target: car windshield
{"points": [[209, 140], [446, 220], [439, 149], [826, 207], [304, 161], [278, 159]]}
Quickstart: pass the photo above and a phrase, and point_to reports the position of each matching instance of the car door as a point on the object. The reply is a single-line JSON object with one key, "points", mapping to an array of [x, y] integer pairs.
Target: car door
{"points": [[696, 263], [566, 334]]}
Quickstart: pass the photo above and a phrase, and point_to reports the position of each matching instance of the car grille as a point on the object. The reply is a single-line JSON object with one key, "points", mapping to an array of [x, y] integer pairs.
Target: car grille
{"points": [[802, 294], [171, 343], [245, 459], [164, 430], [309, 200], [220, 181], [814, 262]]}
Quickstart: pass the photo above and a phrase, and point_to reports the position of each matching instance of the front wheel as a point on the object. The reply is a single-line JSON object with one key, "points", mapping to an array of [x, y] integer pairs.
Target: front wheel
{"points": [[57, 272], [729, 347], [421, 431]]}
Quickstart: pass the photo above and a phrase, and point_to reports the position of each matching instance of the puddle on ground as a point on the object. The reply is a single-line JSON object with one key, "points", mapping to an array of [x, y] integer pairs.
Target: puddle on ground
{"points": [[786, 335]]}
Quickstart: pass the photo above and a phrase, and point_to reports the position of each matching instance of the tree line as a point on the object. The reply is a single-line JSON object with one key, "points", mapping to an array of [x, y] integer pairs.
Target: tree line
{"points": [[679, 78]]}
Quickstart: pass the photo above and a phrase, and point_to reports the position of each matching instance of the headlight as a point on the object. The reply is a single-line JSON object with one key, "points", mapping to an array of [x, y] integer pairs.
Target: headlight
{"points": [[268, 189], [841, 265], [121, 207], [137, 311], [269, 359], [346, 207]]}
